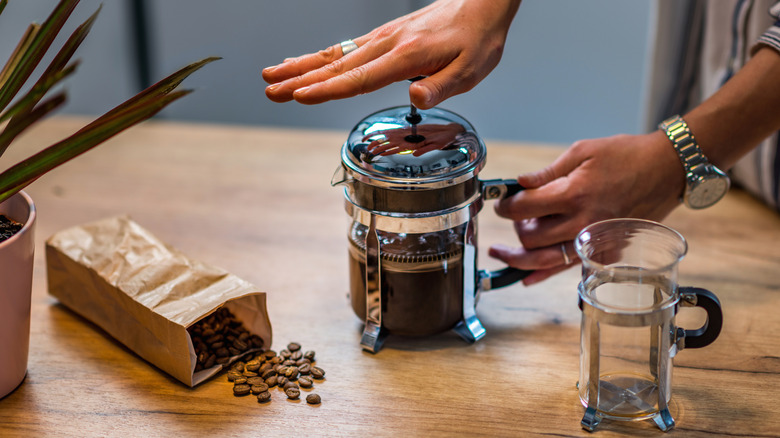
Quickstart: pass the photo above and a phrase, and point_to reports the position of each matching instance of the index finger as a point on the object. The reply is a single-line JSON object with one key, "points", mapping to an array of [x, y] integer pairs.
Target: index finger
{"points": [[292, 67], [531, 203]]}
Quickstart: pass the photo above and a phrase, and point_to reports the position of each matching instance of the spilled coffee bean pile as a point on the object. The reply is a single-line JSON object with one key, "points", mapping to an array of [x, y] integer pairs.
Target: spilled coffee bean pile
{"points": [[290, 370], [219, 337]]}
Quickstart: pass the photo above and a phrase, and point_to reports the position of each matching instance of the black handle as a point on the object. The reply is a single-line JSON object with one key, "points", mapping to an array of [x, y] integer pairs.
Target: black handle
{"points": [[492, 188], [707, 333], [512, 187], [504, 277]]}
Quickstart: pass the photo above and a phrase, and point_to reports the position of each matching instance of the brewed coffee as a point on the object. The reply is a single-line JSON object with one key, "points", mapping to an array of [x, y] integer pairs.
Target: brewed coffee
{"points": [[421, 279]]}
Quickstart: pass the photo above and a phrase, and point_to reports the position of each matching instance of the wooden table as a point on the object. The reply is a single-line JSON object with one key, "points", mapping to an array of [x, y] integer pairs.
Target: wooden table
{"points": [[258, 203]]}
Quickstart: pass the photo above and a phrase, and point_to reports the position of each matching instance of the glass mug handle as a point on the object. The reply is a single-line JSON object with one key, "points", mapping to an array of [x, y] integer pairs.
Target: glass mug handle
{"points": [[709, 331], [499, 189]]}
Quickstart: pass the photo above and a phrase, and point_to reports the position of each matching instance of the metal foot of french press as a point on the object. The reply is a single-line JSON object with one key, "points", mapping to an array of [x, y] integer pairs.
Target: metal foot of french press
{"points": [[373, 337], [664, 420], [470, 329], [590, 420]]}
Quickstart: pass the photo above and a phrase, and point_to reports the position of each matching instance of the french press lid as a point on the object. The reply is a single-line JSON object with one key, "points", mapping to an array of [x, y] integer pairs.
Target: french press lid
{"points": [[406, 148], [402, 160]]}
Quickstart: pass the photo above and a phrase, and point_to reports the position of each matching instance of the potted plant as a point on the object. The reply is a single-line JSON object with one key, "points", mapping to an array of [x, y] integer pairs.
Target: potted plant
{"points": [[18, 112]]}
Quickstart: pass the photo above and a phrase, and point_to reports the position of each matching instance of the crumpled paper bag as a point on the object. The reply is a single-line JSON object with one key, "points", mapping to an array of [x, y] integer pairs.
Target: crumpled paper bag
{"points": [[145, 293]]}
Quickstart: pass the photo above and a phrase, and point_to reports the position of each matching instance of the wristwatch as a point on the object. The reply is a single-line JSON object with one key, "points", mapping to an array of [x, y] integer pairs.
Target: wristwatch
{"points": [[705, 184]]}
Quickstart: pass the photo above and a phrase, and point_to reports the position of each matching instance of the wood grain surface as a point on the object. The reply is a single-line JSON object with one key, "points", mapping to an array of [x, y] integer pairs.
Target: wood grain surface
{"points": [[258, 202]]}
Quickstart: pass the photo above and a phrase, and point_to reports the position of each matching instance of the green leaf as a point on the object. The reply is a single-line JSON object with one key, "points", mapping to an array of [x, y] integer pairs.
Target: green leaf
{"points": [[27, 171], [165, 85], [16, 56], [131, 112], [39, 45], [37, 92], [24, 120]]}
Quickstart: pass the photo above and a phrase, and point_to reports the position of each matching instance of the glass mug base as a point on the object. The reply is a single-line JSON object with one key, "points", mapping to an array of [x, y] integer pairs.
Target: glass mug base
{"points": [[626, 397]]}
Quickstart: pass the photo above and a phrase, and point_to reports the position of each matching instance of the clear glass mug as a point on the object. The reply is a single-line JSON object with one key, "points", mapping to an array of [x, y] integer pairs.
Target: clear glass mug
{"points": [[629, 299]]}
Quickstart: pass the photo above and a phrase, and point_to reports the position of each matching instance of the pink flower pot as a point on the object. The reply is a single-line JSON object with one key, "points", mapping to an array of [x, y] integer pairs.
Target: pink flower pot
{"points": [[16, 268]]}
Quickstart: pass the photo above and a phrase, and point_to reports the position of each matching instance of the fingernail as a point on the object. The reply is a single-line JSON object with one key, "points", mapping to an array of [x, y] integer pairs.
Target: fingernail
{"points": [[302, 90], [272, 88], [270, 69]]}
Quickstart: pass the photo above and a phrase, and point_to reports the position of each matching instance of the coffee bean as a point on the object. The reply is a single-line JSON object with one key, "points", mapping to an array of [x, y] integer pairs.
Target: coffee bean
{"points": [[296, 355], [257, 389], [285, 354], [281, 381], [240, 345], [253, 365], [269, 354], [313, 399], [268, 373], [317, 373], [210, 361], [292, 393], [264, 397], [271, 381], [291, 373], [293, 346], [309, 355], [240, 380], [219, 337], [232, 375], [255, 380], [304, 369], [242, 389], [290, 385], [305, 382], [256, 341], [249, 373], [289, 362], [302, 361]]}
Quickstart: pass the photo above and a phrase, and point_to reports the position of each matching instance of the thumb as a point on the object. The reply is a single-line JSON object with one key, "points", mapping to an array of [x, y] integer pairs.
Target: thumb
{"points": [[562, 166], [534, 180], [426, 93]]}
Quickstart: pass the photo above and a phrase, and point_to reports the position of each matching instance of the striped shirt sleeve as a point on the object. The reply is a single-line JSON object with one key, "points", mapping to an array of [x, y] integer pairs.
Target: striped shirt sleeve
{"points": [[772, 35]]}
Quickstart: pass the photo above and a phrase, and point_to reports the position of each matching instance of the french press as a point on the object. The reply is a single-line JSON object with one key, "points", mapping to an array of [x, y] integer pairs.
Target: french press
{"points": [[412, 194]]}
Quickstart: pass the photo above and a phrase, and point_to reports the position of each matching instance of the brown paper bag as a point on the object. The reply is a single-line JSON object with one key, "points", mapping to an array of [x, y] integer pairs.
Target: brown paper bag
{"points": [[145, 293]]}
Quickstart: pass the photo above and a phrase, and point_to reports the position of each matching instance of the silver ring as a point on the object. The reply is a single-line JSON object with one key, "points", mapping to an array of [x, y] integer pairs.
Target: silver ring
{"points": [[566, 259], [348, 46]]}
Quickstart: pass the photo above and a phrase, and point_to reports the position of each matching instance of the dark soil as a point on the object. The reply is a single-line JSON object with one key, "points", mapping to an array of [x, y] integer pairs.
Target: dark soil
{"points": [[8, 227]]}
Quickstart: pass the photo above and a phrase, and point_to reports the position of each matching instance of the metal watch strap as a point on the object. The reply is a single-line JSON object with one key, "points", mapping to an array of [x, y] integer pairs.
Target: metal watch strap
{"points": [[684, 143]]}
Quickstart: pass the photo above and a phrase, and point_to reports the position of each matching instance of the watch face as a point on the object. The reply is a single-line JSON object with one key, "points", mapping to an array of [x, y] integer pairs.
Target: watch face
{"points": [[707, 192]]}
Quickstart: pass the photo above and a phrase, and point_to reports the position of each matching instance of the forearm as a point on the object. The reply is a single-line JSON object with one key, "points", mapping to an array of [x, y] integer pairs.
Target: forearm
{"points": [[742, 113]]}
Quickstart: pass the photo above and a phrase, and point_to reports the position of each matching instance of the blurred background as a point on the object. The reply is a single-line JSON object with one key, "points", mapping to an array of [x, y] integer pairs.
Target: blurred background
{"points": [[571, 69]]}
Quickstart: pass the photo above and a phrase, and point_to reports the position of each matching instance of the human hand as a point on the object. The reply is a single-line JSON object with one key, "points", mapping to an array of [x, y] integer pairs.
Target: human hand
{"points": [[621, 176], [455, 43], [431, 137]]}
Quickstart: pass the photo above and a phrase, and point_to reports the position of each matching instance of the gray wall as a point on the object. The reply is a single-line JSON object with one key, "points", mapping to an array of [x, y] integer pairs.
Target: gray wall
{"points": [[571, 69]]}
